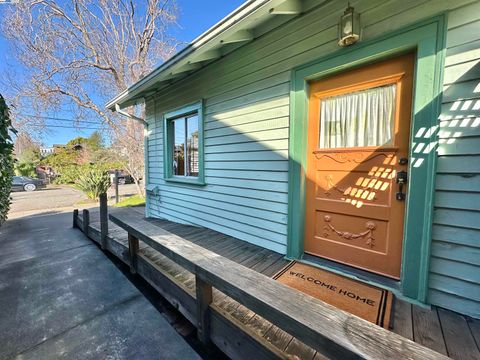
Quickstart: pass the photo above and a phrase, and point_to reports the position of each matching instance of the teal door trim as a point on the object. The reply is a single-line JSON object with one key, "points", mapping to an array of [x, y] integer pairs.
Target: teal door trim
{"points": [[427, 38]]}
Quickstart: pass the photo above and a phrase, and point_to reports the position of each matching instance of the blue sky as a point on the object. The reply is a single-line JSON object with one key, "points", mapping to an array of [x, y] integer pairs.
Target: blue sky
{"points": [[195, 16]]}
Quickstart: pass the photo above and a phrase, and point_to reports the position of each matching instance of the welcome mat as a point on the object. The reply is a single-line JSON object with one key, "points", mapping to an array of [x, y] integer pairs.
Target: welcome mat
{"points": [[366, 301]]}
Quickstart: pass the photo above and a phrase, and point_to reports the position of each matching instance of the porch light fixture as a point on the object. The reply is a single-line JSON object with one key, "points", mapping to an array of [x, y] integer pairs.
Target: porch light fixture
{"points": [[349, 27]]}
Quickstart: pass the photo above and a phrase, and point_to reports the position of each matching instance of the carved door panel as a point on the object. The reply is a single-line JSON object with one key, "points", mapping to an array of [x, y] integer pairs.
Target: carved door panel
{"points": [[359, 127]]}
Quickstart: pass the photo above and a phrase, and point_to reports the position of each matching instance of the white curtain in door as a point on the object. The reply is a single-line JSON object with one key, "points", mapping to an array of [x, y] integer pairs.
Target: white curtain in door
{"points": [[358, 119]]}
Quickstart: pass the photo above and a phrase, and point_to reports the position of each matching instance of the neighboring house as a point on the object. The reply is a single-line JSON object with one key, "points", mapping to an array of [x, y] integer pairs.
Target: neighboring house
{"points": [[58, 147], [364, 159], [47, 151]]}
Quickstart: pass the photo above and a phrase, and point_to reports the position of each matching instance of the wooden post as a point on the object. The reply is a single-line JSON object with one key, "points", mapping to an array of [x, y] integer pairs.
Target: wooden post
{"points": [[204, 299], [86, 221], [133, 252], [103, 220], [75, 217], [116, 186]]}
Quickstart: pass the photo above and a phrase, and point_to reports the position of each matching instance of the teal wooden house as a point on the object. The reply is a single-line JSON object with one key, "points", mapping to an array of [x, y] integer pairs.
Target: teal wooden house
{"points": [[347, 138]]}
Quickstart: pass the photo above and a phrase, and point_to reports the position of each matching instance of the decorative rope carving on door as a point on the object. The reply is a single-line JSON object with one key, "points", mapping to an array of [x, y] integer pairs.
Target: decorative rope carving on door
{"points": [[368, 234]]}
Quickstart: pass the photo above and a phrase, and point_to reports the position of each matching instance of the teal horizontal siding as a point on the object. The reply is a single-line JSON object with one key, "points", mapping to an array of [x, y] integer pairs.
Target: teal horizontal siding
{"points": [[458, 108], [269, 166], [267, 229], [218, 121], [265, 145], [254, 136], [255, 207], [458, 182], [455, 269], [241, 194], [469, 165], [457, 200], [461, 253], [279, 155], [464, 90], [456, 235], [449, 285], [461, 145], [462, 303], [246, 127], [249, 127], [226, 226], [455, 253], [281, 187], [464, 127], [458, 218], [469, 70]]}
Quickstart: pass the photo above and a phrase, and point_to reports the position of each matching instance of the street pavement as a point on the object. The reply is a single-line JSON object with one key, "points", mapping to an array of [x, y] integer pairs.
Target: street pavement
{"points": [[56, 197], [53, 197], [62, 298]]}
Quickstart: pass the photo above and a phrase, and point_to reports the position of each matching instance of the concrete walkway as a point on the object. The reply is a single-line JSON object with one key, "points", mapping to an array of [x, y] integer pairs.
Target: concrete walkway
{"points": [[61, 297]]}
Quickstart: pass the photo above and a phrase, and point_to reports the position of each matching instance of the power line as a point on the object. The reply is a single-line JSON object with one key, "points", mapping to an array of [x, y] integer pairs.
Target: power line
{"points": [[56, 118], [65, 127]]}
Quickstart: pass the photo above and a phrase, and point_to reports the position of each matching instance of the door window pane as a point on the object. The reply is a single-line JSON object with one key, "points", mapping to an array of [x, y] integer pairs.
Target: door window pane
{"points": [[192, 145], [358, 119], [179, 146]]}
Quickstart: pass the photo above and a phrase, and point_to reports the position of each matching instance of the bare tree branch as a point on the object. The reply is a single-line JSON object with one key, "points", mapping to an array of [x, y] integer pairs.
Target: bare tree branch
{"points": [[83, 53]]}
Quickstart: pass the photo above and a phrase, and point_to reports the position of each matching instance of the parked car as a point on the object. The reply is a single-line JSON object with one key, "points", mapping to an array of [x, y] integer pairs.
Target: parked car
{"points": [[24, 183], [123, 177]]}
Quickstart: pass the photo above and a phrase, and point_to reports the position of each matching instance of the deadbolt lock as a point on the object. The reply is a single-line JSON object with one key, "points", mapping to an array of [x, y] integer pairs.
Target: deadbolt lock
{"points": [[402, 179]]}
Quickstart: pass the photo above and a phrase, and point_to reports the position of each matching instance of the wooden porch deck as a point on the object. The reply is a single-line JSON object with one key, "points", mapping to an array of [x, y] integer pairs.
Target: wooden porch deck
{"points": [[446, 332]]}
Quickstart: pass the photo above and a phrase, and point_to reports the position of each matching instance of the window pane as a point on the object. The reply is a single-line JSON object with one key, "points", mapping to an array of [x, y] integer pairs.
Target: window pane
{"points": [[192, 145], [178, 146], [357, 119]]}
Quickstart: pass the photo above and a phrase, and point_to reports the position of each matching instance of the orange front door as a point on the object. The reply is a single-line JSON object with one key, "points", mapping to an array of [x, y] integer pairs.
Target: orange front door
{"points": [[359, 127]]}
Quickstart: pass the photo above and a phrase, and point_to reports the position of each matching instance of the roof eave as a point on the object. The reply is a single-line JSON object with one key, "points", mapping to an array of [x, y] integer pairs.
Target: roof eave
{"points": [[224, 31]]}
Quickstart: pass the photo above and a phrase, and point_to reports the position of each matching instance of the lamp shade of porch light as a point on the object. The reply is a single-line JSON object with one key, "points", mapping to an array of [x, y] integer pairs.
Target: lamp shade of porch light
{"points": [[349, 27]]}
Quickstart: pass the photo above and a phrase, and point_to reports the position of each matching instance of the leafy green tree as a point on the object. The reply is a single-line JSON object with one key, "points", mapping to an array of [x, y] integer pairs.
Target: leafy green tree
{"points": [[95, 141], [63, 157], [70, 162], [27, 162], [25, 169], [6, 159]]}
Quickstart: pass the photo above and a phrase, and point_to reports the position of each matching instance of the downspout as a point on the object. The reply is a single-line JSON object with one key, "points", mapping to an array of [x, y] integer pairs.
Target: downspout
{"points": [[119, 110], [145, 150]]}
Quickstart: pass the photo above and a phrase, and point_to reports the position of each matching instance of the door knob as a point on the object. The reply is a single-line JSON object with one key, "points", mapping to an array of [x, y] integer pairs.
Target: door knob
{"points": [[402, 179]]}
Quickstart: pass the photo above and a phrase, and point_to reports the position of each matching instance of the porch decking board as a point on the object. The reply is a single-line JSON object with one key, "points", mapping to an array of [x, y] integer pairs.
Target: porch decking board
{"points": [[453, 327], [403, 323], [427, 329], [475, 330], [442, 330]]}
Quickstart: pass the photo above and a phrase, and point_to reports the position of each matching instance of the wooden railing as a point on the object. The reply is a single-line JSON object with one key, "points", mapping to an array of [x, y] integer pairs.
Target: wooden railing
{"points": [[332, 332]]}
